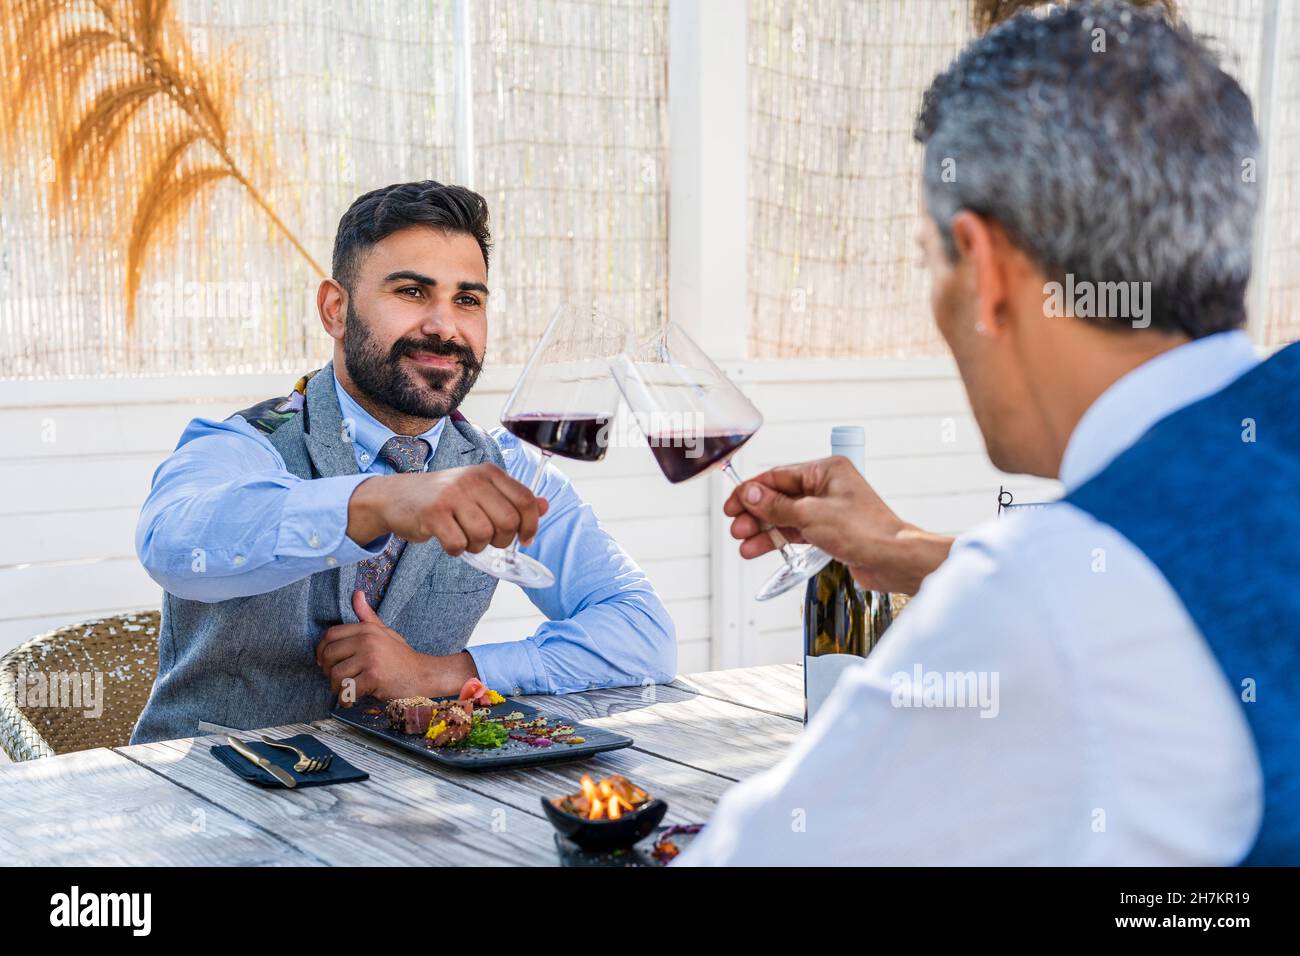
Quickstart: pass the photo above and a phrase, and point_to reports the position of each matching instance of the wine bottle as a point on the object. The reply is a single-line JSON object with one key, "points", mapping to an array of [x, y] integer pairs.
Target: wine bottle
{"points": [[850, 443], [841, 621]]}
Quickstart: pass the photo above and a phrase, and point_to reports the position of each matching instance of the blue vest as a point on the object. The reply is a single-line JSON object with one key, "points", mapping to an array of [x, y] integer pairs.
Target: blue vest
{"points": [[1211, 495]]}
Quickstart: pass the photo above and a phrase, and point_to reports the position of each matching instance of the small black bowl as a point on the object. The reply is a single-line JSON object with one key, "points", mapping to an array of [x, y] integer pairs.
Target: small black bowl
{"points": [[600, 836]]}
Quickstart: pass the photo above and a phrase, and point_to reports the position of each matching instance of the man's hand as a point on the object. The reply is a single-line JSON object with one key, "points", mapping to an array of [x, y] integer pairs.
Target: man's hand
{"points": [[379, 662], [466, 509], [829, 504]]}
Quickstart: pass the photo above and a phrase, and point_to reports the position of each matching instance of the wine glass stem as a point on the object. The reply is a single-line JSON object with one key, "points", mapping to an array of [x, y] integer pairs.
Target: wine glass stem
{"points": [[777, 537], [537, 486]]}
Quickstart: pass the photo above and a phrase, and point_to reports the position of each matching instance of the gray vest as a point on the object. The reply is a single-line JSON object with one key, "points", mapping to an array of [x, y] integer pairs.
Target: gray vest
{"points": [[250, 662]]}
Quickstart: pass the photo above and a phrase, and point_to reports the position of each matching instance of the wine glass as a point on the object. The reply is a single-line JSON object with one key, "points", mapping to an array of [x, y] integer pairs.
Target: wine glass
{"points": [[563, 403], [695, 418]]}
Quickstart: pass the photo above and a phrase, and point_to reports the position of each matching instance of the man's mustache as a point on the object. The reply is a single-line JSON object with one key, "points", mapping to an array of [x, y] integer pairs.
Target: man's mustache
{"points": [[437, 346]]}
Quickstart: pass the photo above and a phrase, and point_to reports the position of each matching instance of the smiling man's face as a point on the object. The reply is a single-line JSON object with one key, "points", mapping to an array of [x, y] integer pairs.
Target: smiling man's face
{"points": [[415, 329]]}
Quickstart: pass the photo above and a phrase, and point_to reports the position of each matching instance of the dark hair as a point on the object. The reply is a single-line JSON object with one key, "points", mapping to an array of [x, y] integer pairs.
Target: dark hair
{"points": [[382, 212], [1112, 148]]}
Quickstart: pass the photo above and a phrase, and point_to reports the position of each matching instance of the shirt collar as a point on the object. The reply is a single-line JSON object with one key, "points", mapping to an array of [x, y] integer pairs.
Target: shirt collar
{"points": [[1152, 391], [369, 434]]}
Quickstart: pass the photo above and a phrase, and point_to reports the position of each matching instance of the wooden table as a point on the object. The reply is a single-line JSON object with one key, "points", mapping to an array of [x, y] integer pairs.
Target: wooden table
{"points": [[171, 803]]}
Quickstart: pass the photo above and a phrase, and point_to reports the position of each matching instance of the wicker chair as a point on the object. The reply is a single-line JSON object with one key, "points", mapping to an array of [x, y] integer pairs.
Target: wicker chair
{"points": [[123, 654]]}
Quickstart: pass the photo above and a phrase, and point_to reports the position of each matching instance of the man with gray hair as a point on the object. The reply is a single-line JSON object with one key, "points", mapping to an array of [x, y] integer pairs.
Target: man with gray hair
{"points": [[1090, 196]]}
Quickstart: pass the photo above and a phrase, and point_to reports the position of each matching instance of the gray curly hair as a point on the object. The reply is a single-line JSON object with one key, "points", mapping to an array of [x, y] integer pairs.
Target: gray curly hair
{"points": [[1110, 146]]}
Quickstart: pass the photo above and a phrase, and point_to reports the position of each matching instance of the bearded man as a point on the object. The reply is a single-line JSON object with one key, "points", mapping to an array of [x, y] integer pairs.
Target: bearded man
{"points": [[308, 546]]}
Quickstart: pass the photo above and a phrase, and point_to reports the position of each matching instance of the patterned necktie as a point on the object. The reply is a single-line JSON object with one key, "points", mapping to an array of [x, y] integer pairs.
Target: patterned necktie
{"points": [[404, 454]]}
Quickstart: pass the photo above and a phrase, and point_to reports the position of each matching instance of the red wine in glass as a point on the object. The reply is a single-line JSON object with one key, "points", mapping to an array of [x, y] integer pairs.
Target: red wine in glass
{"points": [[683, 456], [562, 404], [695, 418], [577, 435]]}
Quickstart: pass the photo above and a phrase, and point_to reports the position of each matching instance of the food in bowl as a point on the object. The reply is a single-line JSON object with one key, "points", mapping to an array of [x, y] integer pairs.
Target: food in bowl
{"points": [[607, 799]]}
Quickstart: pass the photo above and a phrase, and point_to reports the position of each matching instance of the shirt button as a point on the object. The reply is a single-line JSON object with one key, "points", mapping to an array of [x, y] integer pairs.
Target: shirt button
{"points": [[331, 560], [518, 691], [239, 559], [314, 541], [365, 458]]}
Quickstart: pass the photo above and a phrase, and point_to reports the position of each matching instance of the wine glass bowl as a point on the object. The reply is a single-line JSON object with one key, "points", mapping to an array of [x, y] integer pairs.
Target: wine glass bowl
{"points": [[580, 437], [563, 403], [694, 418]]}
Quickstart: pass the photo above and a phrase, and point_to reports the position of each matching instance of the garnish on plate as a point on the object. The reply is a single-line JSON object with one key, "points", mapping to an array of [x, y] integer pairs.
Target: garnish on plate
{"points": [[480, 693], [483, 734]]}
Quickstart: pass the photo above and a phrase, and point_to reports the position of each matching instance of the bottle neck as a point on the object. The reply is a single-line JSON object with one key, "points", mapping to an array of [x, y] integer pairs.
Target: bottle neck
{"points": [[855, 453]]}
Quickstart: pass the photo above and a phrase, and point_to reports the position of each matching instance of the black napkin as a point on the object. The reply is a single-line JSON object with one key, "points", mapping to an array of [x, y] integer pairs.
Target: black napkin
{"points": [[339, 771]]}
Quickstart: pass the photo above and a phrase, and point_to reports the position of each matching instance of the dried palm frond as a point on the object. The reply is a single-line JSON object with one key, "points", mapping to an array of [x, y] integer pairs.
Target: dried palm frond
{"points": [[986, 14], [133, 128]]}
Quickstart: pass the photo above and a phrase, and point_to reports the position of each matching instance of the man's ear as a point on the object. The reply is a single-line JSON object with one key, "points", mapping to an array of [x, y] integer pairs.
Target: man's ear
{"points": [[332, 306], [980, 251]]}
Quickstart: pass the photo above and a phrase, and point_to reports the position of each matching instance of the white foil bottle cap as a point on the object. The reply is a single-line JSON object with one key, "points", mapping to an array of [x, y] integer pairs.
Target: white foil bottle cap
{"points": [[848, 435]]}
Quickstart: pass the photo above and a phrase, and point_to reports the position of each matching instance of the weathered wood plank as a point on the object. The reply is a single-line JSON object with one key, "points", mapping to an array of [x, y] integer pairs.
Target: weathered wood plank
{"points": [[691, 793], [171, 803], [96, 808], [400, 816], [773, 688]]}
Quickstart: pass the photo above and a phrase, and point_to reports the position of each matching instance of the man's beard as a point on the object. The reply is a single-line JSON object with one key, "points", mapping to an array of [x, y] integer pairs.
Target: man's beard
{"points": [[386, 379]]}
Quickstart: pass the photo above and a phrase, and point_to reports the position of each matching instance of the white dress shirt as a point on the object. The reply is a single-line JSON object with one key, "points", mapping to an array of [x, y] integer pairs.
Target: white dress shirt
{"points": [[1105, 732]]}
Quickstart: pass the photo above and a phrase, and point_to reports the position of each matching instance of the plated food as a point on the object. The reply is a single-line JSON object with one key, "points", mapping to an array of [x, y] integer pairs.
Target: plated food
{"points": [[410, 715], [468, 721], [478, 729]]}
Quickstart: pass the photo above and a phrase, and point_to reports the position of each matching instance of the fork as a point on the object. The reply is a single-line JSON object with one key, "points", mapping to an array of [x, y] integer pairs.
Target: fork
{"points": [[305, 764]]}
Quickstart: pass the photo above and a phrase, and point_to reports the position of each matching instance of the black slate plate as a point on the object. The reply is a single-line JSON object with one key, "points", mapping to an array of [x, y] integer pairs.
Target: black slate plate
{"points": [[511, 754]]}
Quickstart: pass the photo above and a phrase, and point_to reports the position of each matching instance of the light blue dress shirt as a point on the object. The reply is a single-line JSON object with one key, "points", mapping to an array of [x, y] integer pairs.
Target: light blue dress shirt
{"points": [[225, 490]]}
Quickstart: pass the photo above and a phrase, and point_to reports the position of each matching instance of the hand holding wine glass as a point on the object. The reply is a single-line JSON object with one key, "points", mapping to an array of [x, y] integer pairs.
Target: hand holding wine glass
{"points": [[464, 508], [830, 504], [563, 404]]}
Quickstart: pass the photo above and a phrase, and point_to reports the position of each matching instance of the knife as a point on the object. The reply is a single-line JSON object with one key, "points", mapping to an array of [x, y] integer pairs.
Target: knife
{"points": [[279, 773]]}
